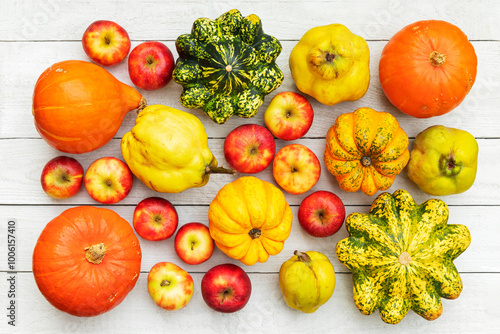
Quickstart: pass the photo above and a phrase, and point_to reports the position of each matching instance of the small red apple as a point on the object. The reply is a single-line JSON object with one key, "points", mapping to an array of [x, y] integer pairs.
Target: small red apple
{"points": [[226, 288], [170, 286], [108, 180], [193, 243], [296, 168], [321, 214], [249, 148], [289, 116], [62, 177], [155, 219], [150, 65], [106, 43]]}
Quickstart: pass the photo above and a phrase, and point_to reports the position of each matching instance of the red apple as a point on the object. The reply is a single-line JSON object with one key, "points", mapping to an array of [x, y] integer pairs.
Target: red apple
{"points": [[108, 180], [150, 65], [106, 43], [296, 168], [193, 243], [289, 116], [321, 214], [155, 219], [249, 148], [226, 288], [170, 286], [62, 177]]}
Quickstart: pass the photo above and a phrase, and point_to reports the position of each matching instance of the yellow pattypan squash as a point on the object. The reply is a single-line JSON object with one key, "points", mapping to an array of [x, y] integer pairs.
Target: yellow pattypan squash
{"points": [[401, 256]]}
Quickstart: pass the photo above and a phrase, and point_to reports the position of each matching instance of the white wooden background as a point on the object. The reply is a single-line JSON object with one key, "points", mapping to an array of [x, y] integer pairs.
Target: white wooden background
{"points": [[36, 34]]}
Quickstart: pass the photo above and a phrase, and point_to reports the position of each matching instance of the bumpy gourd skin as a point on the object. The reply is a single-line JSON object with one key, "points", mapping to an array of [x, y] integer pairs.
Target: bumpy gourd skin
{"points": [[401, 256], [331, 64], [307, 281], [227, 65], [167, 150], [443, 161]]}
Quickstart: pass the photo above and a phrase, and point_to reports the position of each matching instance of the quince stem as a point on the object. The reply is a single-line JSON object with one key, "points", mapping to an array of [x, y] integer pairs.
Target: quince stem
{"points": [[302, 256], [219, 170]]}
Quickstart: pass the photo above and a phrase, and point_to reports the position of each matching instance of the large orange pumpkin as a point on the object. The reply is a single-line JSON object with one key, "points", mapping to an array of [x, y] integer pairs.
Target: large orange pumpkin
{"points": [[86, 260], [249, 220], [427, 68], [79, 106]]}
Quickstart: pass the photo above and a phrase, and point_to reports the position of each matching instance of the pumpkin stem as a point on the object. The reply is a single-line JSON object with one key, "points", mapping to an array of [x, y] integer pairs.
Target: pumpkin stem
{"points": [[366, 161], [219, 170], [437, 59], [404, 258], [254, 233], [95, 253], [302, 256], [142, 104]]}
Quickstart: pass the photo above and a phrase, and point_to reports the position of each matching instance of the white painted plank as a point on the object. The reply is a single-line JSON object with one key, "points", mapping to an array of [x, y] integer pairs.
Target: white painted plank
{"points": [[477, 113], [156, 19], [473, 312], [20, 175], [484, 229]]}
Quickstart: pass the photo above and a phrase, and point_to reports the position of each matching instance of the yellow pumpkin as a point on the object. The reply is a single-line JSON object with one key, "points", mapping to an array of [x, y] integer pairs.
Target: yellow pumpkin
{"points": [[249, 220]]}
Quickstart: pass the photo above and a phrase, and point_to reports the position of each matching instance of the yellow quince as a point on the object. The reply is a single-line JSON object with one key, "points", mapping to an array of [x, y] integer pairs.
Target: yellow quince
{"points": [[167, 149], [307, 281], [331, 64]]}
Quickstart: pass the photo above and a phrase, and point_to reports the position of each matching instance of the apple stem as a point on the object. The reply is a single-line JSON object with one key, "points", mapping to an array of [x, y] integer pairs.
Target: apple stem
{"points": [[302, 256], [218, 170], [95, 253], [224, 296], [165, 282]]}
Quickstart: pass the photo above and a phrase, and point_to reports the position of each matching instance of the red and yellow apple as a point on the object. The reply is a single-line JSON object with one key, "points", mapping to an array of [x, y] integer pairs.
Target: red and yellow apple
{"points": [[170, 286], [155, 219], [62, 177], [226, 288], [289, 116], [249, 148], [150, 65], [108, 180], [321, 214], [193, 243], [106, 42], [296, 168]]}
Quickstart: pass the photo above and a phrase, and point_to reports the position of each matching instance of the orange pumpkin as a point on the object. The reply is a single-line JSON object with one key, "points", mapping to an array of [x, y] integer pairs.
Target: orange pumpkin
{"points": [[366, 149], [86, 260], [427, 68], [79, 106], [249, 220]]}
